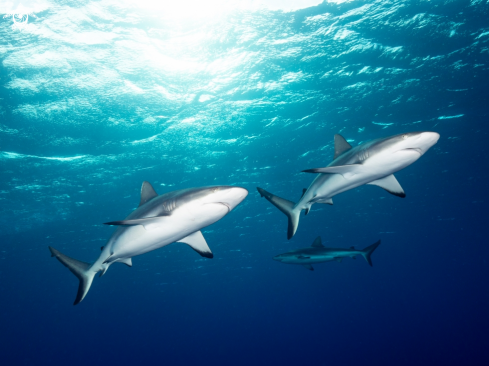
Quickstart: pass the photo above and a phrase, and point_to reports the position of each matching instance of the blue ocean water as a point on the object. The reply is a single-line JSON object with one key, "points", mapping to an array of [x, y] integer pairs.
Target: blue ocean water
{"points": [[98, 96]]}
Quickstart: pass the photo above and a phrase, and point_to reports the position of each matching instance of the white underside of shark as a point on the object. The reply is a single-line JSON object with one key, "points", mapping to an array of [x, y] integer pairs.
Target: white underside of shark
{"points": [[158, 221], [373, 162]]}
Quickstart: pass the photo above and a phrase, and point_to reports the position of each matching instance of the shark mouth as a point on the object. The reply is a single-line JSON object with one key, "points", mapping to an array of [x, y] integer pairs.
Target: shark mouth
{"points": [[417, 150], [225, 204]]}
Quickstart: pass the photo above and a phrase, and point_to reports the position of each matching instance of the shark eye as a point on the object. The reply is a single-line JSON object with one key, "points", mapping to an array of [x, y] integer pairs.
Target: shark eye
{"points": [[404, 137]]}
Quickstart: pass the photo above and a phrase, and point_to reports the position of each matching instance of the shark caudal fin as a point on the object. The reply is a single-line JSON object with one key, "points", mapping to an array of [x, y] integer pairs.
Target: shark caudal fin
{"points": [[367, 252], [287, 207], [79, 269]]}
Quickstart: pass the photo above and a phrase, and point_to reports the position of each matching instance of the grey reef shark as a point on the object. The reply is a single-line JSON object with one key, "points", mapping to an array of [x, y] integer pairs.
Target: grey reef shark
{"points": [[176, 216], [373, 162], [317, 253]]}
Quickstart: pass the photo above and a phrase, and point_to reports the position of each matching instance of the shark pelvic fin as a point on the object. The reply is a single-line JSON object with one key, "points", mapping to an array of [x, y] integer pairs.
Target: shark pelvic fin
{"points": [[317, 243], [148, 222], [287, 207], [80, 269], [147, 193], [390, 184], [309, 267], [346, 171], [338, 259], [367, 252], [197, 242], [340, 145]]}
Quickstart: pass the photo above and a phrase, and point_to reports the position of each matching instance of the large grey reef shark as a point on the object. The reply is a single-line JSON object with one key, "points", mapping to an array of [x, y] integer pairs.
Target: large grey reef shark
{"points": [[176, 216], [317, 253], [372, 162]]}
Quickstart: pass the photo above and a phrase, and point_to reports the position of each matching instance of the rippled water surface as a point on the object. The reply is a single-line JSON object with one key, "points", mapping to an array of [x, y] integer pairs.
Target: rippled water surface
{"points": [[98, 96]]}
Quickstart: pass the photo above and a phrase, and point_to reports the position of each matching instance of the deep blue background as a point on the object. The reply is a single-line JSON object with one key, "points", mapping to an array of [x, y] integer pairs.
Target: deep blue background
{"points": [[280, 85]]}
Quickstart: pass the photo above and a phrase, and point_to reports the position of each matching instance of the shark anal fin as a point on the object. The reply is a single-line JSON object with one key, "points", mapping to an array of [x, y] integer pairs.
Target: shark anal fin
{"points": [[197, 242], [147, 222], [346, 171], [317, 243], [390, 184], [340, 145], [309, 267], [147, 193]]}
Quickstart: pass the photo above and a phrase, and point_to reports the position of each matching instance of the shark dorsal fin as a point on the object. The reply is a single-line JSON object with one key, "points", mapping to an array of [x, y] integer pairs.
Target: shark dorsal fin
{"points": [[147, 193], [352, 247], [340, 145], [304, 190], [317, 243]]}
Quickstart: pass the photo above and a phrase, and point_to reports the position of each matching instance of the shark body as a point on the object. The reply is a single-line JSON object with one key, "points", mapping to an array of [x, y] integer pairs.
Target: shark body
{"points": [[373, 162], [317, 253], [176, 216]]}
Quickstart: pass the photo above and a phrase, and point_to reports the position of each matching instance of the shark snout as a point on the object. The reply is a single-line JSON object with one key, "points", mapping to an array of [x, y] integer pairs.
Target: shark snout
{"points": [[228, 196], [419, 142]]}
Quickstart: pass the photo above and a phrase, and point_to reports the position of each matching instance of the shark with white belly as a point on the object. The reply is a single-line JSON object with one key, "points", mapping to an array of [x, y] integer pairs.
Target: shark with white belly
{"points": [[176, 216], [317, 253], [373, 162]]}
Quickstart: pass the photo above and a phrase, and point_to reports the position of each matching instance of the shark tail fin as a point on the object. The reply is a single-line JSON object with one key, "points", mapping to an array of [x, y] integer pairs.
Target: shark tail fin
{"points": [[367, 252], [287, 207], [80, 269]]}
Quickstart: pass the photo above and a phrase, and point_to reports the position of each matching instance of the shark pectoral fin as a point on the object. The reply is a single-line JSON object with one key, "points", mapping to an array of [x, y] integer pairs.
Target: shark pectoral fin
{"points": [[148, 222], [197, 242], [353, 257], [309, 267], [147, 193], [340, 145], [126, 261], [338, 259], [317, 243], [346, 171], [390, 184]]}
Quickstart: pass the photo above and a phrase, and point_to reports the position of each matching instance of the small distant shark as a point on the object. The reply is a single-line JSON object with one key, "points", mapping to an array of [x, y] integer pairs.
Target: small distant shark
{"points": [[176, 216], [317, 253], [373, 162]]}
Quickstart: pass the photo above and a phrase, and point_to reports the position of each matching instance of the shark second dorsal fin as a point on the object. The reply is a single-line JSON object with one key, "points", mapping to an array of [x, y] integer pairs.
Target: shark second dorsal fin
{"points": [[147, 193], [340, 145], [317, 243]]}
